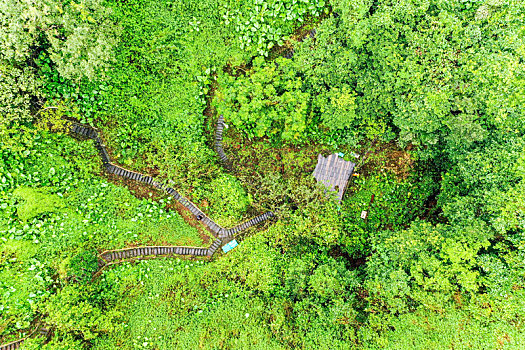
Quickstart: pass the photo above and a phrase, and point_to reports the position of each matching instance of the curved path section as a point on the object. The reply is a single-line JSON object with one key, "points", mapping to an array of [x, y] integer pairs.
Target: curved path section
{"points": [[223, 234], [231, 232]]}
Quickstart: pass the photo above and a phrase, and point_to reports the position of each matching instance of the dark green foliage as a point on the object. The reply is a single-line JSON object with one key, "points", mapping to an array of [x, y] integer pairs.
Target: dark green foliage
{"points": [[83, 266], [390, 202], [73, 311]]}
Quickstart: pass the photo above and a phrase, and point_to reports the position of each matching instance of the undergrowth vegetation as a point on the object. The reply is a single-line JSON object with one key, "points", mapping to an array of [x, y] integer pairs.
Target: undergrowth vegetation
{"points": [[425, 250]]}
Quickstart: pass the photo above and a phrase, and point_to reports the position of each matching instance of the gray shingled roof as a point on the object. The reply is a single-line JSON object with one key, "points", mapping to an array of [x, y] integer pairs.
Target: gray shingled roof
{"points": [[333, 171]]}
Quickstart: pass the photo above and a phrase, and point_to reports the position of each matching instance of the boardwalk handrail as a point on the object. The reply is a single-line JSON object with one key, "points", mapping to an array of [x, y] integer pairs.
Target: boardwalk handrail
{"points": [[13, 345], [110, 257]]}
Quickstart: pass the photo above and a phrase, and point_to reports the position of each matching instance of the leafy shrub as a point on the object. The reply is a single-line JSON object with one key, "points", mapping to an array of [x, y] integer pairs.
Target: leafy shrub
{"points": [[397, 202], [18, 86], [269, 101], [338, 108], [332, 281], [25, 279], [62, 341], [228, 199], [82, 266], [36, 202], [79, 36], [261, 25], [72, 311]]}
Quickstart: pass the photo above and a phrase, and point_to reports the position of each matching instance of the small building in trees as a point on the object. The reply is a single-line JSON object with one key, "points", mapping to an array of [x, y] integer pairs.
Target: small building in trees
{"points": [[334, 172]]}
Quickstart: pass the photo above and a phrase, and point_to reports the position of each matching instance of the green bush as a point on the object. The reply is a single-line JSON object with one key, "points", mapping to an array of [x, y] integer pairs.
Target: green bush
{"points": [[83, 266], [261, 25], [25, 281], [228, 199], [269, 101], [35, 202]]}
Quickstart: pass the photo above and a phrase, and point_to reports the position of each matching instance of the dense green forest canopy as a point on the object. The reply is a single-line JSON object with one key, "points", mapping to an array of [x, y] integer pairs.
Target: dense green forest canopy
{"points": [[432, 91]]}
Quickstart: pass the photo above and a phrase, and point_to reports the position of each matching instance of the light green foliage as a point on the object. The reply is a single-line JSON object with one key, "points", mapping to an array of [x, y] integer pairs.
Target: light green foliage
{"points": [[261, 25], [328, 67], [65, 342], [254, 264], [437, 264], [425, 266], [20, 27], [80, 34], [18, 86], [228, 199], [90, 37], [79, 38], [427, 68], [161, 71], [269, 101], [71, 310], [330, 281], [431, 330], [25, 279], [485, 175], [243, 327], [53, 220], [307, 212], [396, 202], [339, 109], [35, 202], [181, 304], [83, 266], [509, 209]]}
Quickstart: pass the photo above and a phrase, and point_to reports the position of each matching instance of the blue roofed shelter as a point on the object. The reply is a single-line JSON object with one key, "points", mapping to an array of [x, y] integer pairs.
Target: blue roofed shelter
{"points": [[229, 246], [334, 173]]}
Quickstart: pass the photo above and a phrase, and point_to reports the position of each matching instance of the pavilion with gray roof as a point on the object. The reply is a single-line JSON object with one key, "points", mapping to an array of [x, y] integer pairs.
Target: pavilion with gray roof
{"points": [[334, 172]]}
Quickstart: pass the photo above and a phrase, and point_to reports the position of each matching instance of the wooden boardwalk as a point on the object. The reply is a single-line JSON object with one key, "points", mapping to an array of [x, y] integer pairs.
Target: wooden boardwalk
{"points": [[231, 232], [128, 253], [218, 143], [13, 345], [218, 231], [109, 257]]}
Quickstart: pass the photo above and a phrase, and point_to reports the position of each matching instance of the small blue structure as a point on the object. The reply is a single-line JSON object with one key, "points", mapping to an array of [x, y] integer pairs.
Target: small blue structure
{"points": [[227, 247]]}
